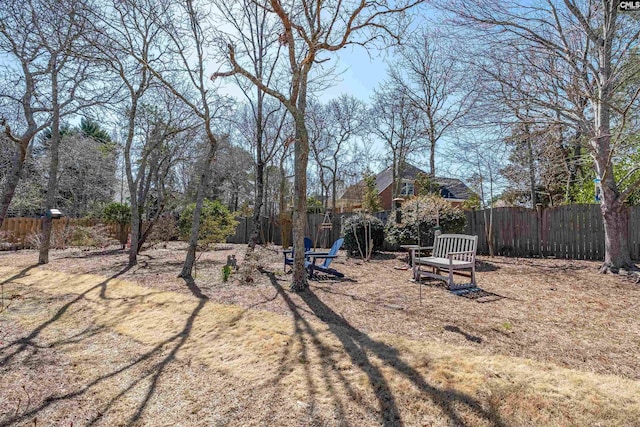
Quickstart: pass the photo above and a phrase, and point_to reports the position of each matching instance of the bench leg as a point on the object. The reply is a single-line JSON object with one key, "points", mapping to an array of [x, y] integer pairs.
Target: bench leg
{"points": [[450, 278], [473, 275]]}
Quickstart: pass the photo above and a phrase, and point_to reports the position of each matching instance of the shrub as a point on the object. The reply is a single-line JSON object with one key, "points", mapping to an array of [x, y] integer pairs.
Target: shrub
{"points": [[216, 222], [419, 216], [357, 223], [371, 200], [96, 236]]}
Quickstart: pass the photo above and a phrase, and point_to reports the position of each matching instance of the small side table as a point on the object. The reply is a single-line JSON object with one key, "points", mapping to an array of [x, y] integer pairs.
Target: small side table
{"points": [[410, 251]]}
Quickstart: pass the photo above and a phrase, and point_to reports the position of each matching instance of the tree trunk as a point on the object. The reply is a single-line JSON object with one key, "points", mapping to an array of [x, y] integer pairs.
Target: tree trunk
{"points": [[616, 222], [432, 158], [394, 176], [301, 152], [257, 226], [615, 216], [532, 171], [52, 185], [12, 180], [615, 213], [135, 226], [190, 259]]}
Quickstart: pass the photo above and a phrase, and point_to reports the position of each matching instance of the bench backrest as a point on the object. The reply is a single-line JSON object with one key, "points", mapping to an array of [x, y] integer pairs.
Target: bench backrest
{"points": [[448, 243]]}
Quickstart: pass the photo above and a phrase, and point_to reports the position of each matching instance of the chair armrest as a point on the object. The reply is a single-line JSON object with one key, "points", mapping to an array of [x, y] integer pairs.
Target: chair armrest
{"points": [[314, 255]]}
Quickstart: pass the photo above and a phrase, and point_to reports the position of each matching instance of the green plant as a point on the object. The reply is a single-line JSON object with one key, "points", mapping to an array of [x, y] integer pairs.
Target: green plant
{"points": [[371, 200], [353, 231], [226, 273], [419, 216], [314, 205], [216, 222], [425, 185]]}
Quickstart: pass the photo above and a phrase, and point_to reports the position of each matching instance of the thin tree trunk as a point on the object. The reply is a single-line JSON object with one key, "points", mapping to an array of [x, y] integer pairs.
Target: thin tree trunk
{"points": [[12, 180], [432, 158], [52, 185], [532, 171], [135, 225], [190, 259]]}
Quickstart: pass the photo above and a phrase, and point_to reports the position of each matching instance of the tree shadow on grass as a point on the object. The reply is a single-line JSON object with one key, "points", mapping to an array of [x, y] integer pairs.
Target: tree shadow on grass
{"points": [[303, 329], [359, 347], [152, 374], [22, 273]]}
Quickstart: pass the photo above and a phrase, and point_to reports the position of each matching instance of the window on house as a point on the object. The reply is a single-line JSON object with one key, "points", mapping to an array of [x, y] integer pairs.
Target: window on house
{"points": [[406, 189]]}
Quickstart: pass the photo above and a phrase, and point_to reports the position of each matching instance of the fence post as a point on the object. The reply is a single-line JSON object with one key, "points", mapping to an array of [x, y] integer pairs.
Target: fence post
{"points": [[540, 231]]}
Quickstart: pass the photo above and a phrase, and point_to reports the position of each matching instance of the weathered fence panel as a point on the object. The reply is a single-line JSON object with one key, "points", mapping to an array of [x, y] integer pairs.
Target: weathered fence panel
{"points": [[18, 231], [572, 231]]}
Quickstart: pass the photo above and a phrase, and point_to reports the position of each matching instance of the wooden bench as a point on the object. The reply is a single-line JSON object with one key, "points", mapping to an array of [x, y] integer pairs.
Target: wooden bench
{"points": [[451, 252]]}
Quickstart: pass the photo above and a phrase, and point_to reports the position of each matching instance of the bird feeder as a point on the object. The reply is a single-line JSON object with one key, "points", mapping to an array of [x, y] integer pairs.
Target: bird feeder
{"points": [[53, 214], [397, 203]]}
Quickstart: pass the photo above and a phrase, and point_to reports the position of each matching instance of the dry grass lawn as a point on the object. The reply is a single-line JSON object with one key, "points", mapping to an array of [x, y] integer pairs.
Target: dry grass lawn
{"points": [[85, 341]]}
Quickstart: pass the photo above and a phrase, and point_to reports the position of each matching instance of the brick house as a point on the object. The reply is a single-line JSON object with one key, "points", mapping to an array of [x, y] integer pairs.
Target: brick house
{"points": [[452, 189]]}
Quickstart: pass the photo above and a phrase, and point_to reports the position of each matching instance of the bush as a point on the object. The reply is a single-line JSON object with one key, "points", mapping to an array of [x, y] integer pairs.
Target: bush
{"points": [[216, 222], [95, 237], [357, 223], [420, 215]]}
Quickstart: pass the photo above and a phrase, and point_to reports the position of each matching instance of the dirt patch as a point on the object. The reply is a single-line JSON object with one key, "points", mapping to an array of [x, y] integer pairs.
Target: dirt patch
{"points": [[557, 345]]}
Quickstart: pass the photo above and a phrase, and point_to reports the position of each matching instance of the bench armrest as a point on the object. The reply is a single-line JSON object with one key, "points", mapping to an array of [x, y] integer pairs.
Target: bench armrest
{"points": [[421, 248]]}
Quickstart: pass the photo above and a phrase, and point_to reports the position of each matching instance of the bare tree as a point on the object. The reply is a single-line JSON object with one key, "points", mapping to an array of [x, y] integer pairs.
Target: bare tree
{"points": [[166, 129], [434, 78], [590, 44], [309, 30], [397, 123], [61, 28], [24, 113], [256, 31], [125, 36], [185, 28], [334, 128]]}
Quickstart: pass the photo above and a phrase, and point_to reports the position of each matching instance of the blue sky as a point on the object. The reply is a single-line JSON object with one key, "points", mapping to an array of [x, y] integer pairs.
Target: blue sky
{"points": [[362, 73]]}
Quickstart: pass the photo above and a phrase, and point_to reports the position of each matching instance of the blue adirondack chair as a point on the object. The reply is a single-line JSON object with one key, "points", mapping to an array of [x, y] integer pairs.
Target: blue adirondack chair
{"points": [[312, 267], [288, 254]]}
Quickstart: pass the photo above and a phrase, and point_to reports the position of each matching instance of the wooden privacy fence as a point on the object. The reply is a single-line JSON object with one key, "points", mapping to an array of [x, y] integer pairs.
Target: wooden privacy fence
{"points": [[572, 231], [16, 231]]}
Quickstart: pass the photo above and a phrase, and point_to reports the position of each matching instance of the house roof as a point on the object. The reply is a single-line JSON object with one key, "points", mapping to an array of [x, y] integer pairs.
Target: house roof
{"points": [[450, 188]]}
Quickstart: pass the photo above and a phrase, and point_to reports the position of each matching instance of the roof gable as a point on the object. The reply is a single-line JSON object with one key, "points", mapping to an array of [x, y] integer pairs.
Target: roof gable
{"points": [[449, 188]]}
